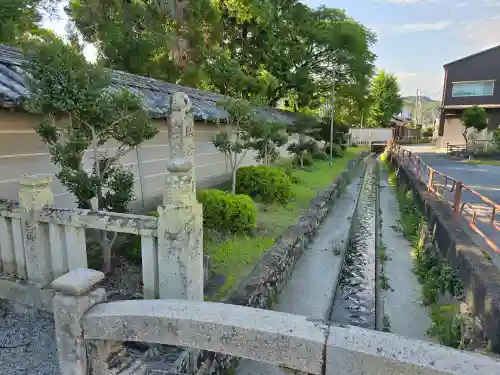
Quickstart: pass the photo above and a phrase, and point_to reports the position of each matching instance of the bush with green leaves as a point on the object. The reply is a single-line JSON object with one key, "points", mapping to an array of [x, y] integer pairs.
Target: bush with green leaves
{"points": [[80, 113], [266, 183], [337, 151], [496, 139], [319, 155], [227, 213]]}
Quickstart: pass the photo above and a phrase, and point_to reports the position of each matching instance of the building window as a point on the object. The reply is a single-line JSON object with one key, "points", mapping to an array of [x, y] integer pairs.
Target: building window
{"points": [[480, 88]]}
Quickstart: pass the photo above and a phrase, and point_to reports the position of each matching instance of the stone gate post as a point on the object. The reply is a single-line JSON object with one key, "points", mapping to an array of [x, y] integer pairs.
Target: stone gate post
{"points": [[75, 295], [180, 221], [36, 193]]}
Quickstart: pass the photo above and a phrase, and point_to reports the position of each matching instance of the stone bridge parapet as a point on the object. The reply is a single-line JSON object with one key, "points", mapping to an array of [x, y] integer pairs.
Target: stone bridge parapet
{"points": [[83, 319]]}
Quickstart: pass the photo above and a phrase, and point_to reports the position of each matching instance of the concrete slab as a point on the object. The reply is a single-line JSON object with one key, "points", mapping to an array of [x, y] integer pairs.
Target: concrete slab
{"points": [[402, 304], [311, 289]]}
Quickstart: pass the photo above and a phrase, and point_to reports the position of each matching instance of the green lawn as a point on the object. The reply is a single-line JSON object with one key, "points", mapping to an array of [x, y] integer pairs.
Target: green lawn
{"points": [[234, 257]]}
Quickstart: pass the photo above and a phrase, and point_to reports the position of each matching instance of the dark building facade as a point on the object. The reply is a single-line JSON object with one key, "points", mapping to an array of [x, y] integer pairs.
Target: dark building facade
{"points": [[469, 81]]}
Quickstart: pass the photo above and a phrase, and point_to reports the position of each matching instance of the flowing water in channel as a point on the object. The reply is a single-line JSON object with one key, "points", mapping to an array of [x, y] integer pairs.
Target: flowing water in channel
{"points": [[355, 297]]}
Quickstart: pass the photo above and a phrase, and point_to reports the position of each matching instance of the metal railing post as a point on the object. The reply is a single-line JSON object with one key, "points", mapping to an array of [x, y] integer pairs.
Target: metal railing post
{"points": [[457, 198], [431, 180]]}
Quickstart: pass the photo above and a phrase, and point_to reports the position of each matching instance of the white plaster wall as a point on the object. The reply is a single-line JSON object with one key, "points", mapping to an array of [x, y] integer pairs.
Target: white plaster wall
{"points": [[22, 152]]}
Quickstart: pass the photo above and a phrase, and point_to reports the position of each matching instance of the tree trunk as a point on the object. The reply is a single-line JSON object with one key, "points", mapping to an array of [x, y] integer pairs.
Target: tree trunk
{"points": [[464, 134], [233, 181], [301, 158], [265, 154]]}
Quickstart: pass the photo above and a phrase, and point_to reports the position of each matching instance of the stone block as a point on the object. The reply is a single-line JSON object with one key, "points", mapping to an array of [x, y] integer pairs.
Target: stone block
{"points": [[357, 351], [77, 282], [68, 313], [262, 335]]}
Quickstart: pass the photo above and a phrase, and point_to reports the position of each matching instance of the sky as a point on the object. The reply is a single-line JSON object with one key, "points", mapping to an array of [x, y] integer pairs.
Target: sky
{"points": [[415, 37]]}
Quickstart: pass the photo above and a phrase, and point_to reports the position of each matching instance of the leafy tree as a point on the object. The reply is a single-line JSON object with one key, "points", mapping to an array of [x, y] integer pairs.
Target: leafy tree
{"points": [[19, 18], [81, 113], [267, 137], [144, 37], [305, 125], [474, 118], [235, 140], [385, 99], [250, 48]]}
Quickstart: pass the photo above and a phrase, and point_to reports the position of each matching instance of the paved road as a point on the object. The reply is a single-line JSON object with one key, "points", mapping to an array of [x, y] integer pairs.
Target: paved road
{"points": [[484, 179]]}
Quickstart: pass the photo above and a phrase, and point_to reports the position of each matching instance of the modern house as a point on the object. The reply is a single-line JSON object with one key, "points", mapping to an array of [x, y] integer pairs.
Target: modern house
{"points": [[469, 81], [22, 152]]}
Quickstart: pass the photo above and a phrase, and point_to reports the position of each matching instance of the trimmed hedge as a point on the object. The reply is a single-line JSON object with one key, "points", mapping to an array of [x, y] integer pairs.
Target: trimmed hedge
{"points": [[269, 184], [225, 212]]}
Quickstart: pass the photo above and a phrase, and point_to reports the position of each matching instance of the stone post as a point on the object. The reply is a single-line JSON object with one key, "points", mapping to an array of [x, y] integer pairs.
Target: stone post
{"points": [[180, 221], [35, 194], [75, 295]]}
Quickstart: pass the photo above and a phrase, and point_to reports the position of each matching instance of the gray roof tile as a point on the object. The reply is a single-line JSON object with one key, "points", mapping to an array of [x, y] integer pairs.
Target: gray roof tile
{"points": [[155, 93]]}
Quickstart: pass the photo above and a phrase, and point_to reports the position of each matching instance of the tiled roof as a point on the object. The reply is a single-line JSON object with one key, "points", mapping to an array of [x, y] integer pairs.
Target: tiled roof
{"points": [[155, 93]]}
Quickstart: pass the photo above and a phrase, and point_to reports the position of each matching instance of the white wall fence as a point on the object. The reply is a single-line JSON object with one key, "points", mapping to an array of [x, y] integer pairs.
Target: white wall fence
{"points": [[365, 136], [45, 248]]}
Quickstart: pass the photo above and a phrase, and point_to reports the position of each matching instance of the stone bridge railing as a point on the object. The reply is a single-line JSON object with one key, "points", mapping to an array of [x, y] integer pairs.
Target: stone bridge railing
{"points": [[39, 243], [87, 327]]}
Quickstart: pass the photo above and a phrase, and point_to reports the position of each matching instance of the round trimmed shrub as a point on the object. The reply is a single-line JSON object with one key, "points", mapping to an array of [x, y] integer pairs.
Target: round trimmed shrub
{"points": [[269, 184], [225, 212]]}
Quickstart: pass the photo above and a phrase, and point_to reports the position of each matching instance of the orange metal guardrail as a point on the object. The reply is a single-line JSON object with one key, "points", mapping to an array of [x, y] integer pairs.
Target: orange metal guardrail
{"points": [[429, 176]]}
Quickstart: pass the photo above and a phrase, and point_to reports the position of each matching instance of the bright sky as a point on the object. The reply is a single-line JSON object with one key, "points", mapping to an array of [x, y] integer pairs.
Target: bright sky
{"points": [[415, 37]]}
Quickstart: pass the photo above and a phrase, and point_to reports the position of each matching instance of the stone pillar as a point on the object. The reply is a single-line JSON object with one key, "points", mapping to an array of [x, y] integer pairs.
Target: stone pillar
{"points": [[180, 221], [35, 194], [75, 295]]}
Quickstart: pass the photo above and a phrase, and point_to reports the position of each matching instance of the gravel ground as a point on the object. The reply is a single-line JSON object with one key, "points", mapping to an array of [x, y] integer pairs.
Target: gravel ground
{"points": [[27, 343]]}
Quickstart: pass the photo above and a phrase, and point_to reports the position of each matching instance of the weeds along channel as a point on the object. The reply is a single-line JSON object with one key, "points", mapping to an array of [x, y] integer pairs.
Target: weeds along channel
{"points": [[441, 290]]}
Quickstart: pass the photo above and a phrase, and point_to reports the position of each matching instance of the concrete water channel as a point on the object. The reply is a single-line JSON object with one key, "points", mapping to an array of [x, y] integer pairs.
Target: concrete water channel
{"points": [[338, 277]]}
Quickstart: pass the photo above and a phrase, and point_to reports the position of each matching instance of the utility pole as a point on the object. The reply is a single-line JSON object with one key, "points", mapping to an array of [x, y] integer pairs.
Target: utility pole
{"points": [[416, 108], [332, 118]]}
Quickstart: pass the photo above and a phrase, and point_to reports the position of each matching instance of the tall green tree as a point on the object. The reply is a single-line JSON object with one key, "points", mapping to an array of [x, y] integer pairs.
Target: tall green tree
{"points": [[79, 114], [385, 98], [300, 46], [141, 36], [20, 18], [247, 49]]}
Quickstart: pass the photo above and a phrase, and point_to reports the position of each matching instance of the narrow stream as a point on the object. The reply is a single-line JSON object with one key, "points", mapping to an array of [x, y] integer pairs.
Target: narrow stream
{"points": [[356, 294]]}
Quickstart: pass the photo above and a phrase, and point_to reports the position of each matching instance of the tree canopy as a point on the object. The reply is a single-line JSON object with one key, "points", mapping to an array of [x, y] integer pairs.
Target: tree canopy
{"points": [[385, 99], [19, 18], [247, 49], [474, 118]]}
